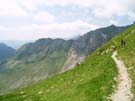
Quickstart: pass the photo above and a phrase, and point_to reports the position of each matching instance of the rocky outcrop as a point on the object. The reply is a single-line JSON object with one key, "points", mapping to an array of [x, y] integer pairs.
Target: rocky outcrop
{"points": [[72, 60]]}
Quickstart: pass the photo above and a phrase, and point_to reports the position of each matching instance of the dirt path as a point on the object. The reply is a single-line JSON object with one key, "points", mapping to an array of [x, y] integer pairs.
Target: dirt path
{"points": [[123, 92]]}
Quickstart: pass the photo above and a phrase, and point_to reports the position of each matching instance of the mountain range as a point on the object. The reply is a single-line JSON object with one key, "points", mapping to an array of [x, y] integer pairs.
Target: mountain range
{"points": [[45, 58], [5, 51], [16, 44], [91, 80]]}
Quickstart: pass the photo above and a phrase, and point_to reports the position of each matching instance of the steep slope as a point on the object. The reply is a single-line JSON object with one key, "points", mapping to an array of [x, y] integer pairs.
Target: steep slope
{"points": [[92, 80], [47, 57], [89, 42], [93, 39], [127, 54], [5, 51]]}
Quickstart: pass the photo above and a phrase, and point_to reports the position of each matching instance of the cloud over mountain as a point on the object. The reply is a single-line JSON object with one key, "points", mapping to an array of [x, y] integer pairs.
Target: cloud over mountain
{"points": [[33, 19]]}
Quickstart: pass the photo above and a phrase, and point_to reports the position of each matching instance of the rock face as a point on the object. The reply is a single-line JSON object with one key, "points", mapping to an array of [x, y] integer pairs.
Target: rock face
{"points": [[73, 60], [94, 39], [88, 43]]}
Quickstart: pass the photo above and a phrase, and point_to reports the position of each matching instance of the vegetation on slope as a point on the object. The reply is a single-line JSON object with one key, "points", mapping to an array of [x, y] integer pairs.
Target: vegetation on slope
{"points": [[90, 81], [34, 62], [127, 54], [95, 39], [46, 57]]}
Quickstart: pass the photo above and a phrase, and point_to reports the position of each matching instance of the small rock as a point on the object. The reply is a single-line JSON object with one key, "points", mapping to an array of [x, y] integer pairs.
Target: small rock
{"points": [[22, 92], [24, 95], [40, 92]]}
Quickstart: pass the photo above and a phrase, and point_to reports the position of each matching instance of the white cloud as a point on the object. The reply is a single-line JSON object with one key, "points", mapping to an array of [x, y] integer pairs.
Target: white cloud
{"points": [[108, 9], [34, 3], [44, 16], [101, 8], [33, 32], [132, 15], [114, 22], [10, 7]]}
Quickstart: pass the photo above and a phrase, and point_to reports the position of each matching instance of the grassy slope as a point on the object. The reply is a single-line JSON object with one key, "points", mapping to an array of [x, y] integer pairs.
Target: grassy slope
{"points": [[127, 54], [90, 81]]}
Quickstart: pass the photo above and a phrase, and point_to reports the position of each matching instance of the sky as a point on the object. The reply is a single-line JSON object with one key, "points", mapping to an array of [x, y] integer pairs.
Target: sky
{"points": [[34, 19]]}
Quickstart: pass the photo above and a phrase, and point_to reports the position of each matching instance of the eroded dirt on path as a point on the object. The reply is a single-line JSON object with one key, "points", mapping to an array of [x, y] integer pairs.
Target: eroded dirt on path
{"points": [[123, 92]]}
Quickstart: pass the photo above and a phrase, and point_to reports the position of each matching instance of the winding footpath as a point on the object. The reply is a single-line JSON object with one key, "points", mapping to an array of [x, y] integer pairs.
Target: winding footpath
{"points": [[123, 92]]}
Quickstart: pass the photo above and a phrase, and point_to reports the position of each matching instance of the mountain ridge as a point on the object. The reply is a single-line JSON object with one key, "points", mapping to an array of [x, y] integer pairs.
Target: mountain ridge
{"points": [[5, 51]]}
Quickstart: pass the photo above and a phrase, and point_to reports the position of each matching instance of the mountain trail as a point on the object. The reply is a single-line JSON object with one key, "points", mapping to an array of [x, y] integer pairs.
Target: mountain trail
{"points": [[122, 92]]}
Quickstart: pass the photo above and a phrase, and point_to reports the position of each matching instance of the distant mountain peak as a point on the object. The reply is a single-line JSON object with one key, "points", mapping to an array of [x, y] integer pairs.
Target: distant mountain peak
{"points": [[2, 44], [134, 22], [5, 51], [112, 25]]}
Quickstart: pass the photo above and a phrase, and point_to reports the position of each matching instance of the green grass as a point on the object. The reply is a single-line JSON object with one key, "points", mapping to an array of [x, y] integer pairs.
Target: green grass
{"points": [[127, 54], [90, 81]]}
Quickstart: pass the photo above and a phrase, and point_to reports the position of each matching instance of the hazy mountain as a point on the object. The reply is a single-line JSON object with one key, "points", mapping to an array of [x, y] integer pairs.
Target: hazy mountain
{"points": [[5, 51], [33, 62], [47, 57], [15, 43]]}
